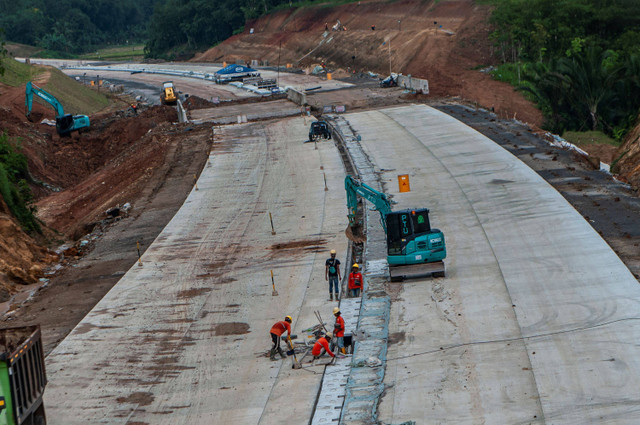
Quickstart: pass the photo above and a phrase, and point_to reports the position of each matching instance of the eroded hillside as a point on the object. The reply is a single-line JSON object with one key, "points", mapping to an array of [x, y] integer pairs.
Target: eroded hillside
{"points": [[446, 43]]}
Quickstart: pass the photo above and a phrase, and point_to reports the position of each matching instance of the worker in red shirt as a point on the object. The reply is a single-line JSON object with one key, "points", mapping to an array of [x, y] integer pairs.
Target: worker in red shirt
{"points": [[322, 345], [338, 329], [276, 332], [355, 281]]}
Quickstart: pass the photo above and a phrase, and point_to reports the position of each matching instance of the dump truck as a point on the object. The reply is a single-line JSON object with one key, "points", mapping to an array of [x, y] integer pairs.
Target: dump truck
{"points": [[414, 248], [22, 376], [168, 95], [65, 123]]}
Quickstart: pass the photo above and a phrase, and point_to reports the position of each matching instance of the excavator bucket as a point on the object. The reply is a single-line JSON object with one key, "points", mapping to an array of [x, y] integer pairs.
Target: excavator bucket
{"points": [[355, 234]]}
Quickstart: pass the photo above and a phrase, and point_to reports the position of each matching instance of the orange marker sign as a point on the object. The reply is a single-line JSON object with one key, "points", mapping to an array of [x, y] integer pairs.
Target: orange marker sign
{"points": [[403, 183]]}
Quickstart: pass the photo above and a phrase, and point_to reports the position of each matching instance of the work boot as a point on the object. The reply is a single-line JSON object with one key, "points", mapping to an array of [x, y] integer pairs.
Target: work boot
{"points": [[282, 354], [272, 354], [337, 299], [330, 296], [343, 351]]}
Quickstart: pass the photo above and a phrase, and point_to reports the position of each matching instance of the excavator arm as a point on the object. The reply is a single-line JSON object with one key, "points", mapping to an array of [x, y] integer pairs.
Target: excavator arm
{"points": [[28, 99], [65, 123], [380, 201]]}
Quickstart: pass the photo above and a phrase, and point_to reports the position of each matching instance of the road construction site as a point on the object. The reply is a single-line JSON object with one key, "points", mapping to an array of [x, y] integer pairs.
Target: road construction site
{"points": [[530, 324], [531, 321]]}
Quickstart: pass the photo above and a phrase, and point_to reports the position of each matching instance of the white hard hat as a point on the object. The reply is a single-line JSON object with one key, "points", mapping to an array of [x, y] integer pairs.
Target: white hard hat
{"points": [[336, 310], [329, 335], [333, 252]]}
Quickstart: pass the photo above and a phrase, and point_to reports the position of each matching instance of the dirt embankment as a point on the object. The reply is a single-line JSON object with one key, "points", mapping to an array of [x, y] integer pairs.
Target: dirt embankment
{"points": [[444, 42], [76, 179], [627, 164]]}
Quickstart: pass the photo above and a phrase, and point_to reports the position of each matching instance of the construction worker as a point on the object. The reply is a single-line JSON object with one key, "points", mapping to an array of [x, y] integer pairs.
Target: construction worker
{"points": [[338, 329], [276, 332], [332, 274], [321, 346], [355, 281]]}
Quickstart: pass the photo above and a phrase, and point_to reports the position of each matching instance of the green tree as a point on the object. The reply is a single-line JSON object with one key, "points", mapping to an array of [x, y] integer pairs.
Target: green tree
{"points": [[3, 52], [14, 186]]}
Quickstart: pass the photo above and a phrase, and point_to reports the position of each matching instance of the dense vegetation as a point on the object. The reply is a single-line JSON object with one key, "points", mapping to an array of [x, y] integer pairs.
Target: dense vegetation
{"points": [[75, 26], [14, 187], [579, 59], [185, 26], [3, 53]]}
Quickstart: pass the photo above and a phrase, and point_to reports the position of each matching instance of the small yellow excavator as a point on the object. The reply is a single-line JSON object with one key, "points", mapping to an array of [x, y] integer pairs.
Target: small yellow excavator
{"points": [[168, 95]]}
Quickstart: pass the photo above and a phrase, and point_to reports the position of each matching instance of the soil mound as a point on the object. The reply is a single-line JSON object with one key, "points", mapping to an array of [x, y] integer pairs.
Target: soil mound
{"points": [[627, 165]]}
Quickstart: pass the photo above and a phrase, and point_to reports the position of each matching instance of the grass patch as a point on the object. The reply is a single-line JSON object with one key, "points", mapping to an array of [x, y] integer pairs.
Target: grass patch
{"points": [[21, 50], [581, 138], [75, 97], [131, 52], [17, 73]]}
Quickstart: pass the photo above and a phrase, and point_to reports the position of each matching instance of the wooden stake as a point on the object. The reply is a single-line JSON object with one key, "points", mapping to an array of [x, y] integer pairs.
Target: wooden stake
{"points": [[139, 256], [273, 231], [273, 284]]}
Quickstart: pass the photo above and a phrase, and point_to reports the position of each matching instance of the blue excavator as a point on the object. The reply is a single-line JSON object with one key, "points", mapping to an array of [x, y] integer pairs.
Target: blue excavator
{"points": [[414, 249], [65, 123]]}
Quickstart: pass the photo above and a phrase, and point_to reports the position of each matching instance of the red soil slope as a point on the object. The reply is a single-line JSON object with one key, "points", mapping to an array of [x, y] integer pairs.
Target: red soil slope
{"points": [[444, 43]]}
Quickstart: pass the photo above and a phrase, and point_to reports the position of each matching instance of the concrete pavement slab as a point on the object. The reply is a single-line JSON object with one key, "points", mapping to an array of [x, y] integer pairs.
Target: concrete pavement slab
{"points": [[183, 338], [532, 323]]}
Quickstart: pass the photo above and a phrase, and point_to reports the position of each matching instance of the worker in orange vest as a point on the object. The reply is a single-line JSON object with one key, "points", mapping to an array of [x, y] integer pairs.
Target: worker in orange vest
{"points": [[338, 329], [355, 281], [276, 332], [322, 345]]}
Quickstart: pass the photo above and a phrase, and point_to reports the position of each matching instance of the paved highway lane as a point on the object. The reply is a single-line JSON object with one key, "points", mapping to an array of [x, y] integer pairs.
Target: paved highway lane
{"points": [[181, 340], [536, 321]]}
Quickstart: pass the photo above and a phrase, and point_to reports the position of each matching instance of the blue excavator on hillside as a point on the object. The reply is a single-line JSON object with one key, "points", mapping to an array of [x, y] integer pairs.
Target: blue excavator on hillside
{"points": [[413, 248], [65, 123]]}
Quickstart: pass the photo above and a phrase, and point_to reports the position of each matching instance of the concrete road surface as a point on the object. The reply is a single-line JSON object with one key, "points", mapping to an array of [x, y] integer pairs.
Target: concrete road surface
{"points": [[182, 339], [537, 318]]}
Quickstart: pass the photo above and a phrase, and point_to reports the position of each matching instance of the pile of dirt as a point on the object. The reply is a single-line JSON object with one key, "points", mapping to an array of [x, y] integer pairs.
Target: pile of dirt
{"points": [[444, 42], [627, 165], [22, 259]]}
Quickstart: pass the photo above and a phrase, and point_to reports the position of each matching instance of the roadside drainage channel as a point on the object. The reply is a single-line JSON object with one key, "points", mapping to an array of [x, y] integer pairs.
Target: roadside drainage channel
{"points": [[365, 382]]}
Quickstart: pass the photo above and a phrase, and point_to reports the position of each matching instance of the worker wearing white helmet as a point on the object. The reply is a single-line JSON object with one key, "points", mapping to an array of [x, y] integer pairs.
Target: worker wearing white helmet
{"points": [[332, 274], [355, 281]]}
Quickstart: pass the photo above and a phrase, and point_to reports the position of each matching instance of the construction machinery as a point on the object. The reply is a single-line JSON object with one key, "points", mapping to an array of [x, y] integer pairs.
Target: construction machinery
{"points": [[22, 376], [168, 95], [234, 73], [390, 81], [413, 247], [319, 129], [65, 123]]}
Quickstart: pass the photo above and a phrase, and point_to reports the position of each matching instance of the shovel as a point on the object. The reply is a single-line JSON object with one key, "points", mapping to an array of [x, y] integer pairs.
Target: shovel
{"points": [[273, 284], [296, 364]]}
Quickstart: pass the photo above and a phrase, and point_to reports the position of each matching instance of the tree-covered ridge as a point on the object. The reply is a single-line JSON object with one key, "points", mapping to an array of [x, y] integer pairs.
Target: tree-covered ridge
{"points": [[75, 26], [579, 58], [191, 25]]}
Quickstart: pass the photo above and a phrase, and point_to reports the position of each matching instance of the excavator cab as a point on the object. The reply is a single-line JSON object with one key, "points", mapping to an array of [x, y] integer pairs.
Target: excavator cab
{"points": [[64, 124], [411, 240]]}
